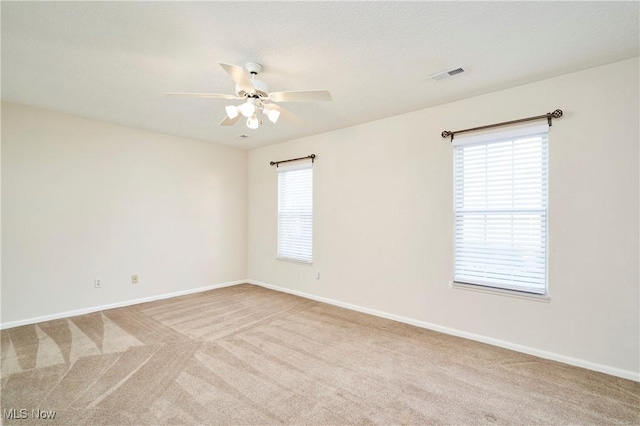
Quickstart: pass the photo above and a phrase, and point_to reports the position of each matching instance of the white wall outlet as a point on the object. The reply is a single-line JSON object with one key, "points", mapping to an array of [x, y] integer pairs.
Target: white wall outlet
{"points": [[317, 275], [97, 282], [134, 279]]}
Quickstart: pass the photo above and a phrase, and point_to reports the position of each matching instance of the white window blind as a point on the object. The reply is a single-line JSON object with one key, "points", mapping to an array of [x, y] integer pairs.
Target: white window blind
{"points": [[500, 203], [295, 212]]}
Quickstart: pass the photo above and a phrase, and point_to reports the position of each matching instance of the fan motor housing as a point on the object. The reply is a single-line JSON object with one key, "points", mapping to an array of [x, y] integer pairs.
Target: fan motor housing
{"points": [[262, 90]]}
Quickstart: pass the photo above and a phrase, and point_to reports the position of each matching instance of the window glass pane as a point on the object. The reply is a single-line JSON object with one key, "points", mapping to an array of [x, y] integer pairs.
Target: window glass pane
{"points": [[500, 197], [295, 214]]}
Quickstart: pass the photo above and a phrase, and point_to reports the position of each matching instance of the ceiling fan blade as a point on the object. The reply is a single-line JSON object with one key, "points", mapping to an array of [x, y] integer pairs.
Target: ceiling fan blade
{"points": [[202, 95], [301, 96], [286, 114], [226, 121], [239, 76]]}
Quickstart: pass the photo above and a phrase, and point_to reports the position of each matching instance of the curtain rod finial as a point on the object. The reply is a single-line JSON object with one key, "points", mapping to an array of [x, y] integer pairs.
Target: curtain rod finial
{"points": [[445, 134]]}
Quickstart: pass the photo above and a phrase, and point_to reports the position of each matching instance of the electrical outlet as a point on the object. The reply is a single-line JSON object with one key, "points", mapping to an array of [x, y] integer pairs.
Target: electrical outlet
{"points": [[97, 282], [134, 279], [317, 275]]}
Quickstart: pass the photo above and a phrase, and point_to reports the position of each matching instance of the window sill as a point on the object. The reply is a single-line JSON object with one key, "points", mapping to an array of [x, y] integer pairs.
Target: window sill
{"points": [[301, 262], [500, 292]]}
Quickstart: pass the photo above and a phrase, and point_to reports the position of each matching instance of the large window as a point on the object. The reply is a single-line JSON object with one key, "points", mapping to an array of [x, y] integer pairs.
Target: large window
{"points": [[500, 203], [295, 212]]}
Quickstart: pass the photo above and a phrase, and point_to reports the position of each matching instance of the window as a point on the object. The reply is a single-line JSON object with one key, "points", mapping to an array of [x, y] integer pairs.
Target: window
{"points": [[295, 212], [500, 203]]}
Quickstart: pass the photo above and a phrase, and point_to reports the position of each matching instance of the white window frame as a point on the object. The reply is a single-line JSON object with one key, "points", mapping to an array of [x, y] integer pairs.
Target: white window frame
{"points": [[292, 247], [480, 262]]}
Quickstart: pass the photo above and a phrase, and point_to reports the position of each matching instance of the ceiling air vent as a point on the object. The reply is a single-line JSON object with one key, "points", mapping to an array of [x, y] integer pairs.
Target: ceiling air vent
{"points": [[446, 74]]}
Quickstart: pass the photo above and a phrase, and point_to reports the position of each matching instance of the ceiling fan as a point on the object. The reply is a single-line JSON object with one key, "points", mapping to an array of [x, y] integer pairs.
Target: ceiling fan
{"points": [[256, 95]]}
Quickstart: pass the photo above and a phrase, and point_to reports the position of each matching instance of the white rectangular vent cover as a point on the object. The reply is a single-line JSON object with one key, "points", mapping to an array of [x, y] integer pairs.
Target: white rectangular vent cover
{"points": [[446, 74]]}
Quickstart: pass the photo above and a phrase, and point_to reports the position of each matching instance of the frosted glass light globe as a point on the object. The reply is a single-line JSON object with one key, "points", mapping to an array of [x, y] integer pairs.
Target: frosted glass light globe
{"points": [[253, 122], [247, 109]]}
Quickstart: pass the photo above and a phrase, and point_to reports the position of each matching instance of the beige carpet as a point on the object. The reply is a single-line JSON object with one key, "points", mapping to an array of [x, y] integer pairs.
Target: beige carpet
{"points": [[247, 355]]}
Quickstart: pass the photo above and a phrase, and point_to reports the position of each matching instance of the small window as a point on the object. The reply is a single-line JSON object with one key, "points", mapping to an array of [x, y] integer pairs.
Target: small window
{"points": [[500, 204], [295, 212]]}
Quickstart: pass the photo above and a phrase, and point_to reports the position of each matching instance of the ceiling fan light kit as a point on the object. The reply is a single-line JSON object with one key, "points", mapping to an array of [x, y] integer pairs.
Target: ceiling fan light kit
{"points": [[256, 92]]}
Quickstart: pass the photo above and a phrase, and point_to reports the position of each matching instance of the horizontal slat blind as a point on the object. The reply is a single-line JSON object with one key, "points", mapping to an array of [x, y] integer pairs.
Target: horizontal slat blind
{"points": [[501, 213], [295, 213]]}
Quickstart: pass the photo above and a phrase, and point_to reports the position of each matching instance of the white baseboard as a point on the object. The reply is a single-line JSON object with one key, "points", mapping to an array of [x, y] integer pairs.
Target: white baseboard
{"points": [[625, 374], [83, 311]]}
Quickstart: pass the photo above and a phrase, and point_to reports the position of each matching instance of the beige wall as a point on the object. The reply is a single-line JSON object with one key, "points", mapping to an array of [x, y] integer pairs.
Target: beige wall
{"points": [[383, 219], [84, 199]]}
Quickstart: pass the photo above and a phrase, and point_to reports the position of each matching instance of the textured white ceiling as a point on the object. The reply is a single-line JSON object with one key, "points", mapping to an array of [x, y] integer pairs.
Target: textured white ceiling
{"points": [[113, 61]]}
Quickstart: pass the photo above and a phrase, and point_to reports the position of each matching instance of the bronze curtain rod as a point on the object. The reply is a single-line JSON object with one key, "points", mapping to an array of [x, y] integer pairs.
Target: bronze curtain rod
{"points": [[275, 163], [555, 114]]}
